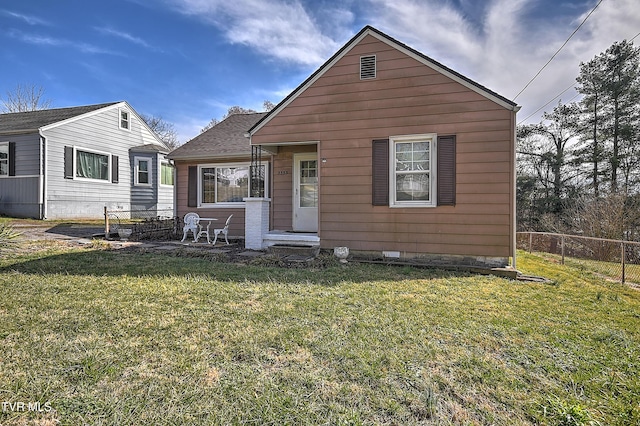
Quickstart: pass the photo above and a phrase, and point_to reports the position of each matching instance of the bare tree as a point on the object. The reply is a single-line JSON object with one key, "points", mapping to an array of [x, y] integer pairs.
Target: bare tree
{"points": [[163, 129], [266, 105], [25, 97]]}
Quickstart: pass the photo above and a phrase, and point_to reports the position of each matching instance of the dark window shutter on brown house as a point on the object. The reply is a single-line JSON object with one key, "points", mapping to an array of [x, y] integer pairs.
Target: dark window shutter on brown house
{"points": [[114, 169], [12, 158], [68, 162], [380, 172], [192, 191], [446, 170]]}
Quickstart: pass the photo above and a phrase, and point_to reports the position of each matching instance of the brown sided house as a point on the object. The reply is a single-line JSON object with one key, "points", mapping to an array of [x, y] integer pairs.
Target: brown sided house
{"points": [[381, 150]]}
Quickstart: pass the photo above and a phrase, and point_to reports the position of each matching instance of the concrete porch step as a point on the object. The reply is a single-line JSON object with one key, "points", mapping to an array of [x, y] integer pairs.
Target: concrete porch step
{"points": [[294, 251], [285, 238]]}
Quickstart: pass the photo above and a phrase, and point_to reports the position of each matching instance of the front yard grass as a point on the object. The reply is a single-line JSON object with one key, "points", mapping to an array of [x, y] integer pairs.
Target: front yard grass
{"points": [[122, 337]]}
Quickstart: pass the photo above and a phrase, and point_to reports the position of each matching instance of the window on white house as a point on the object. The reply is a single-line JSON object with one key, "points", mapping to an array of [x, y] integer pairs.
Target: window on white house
{"points": [[125, 119], [166, 173], [412, 170], [228, 183], [143, 171], [92, 165], [4, 159]]}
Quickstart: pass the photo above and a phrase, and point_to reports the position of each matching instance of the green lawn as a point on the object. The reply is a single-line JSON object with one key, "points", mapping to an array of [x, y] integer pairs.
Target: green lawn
{"points": [[113, 337]]}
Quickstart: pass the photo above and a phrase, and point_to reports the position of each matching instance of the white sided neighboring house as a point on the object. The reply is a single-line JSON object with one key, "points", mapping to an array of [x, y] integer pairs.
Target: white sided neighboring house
{"points": [[73, 162]]}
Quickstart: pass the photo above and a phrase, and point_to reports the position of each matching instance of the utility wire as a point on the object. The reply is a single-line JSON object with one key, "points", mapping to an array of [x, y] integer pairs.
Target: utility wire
{"points": [[561, 93], [558, 51], [554, 98]]}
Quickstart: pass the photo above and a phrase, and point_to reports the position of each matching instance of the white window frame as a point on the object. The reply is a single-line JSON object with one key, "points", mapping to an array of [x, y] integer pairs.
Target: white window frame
{"points": [[91, 151], [433, 179], [136, 170], [128, 119], [160, 164], [7, 160], [235, 204]]}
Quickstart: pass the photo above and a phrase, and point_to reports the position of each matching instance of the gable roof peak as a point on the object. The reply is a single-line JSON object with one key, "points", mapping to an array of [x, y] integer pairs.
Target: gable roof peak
{"points": [[424, 59]]}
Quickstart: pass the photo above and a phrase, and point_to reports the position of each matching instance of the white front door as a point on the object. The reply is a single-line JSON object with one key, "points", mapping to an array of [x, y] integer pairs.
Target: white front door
{"points": [[305, 192]]}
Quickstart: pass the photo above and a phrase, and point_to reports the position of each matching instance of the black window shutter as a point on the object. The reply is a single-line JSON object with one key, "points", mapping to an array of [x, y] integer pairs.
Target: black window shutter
{"points": [[114, 169], [380, 172], [446, 170], [192, 184], [12, 158], [68, 162]]}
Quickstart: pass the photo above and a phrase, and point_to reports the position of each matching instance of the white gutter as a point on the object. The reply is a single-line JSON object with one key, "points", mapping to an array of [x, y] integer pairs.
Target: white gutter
{"points": [[43, 179]]}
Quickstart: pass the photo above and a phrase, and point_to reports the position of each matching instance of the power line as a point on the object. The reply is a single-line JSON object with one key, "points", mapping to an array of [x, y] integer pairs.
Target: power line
{"points": [[554, 98], [561, 93], [558, 51]]}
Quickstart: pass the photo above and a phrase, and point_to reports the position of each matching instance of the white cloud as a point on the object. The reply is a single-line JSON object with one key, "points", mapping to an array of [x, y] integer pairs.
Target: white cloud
{"points": [[29, 19], [125, 36], [281, 30], [44, 40], [501, 44], [508, 44]]}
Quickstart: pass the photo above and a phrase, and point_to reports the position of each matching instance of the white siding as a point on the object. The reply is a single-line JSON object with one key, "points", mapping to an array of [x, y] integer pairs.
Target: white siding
{"points": [[100, 132], [20, 195]]}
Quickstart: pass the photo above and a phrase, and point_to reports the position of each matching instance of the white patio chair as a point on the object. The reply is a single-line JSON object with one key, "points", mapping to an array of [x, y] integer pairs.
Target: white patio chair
{"points": [[224, 231], [191, 223]]}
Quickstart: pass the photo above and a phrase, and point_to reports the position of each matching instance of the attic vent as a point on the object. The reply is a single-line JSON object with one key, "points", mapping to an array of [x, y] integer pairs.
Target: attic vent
{"points": [[367, 67]]}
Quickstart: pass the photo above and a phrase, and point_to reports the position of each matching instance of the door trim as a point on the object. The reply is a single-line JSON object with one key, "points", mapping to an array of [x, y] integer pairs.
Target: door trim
{"points": [[304, 219]]}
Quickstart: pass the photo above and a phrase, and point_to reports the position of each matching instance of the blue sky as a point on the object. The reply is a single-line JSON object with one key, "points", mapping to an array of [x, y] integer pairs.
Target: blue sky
{"points": [[188, 61]]}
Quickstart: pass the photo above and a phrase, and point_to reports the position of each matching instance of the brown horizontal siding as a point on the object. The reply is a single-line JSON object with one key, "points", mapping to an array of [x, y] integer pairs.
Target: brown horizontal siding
{"points": [[463, 178], [483, 249], [346, 114], [363, 105], [457, 244], [462, 122], [348, 216], [376, 129], [415, 230]]}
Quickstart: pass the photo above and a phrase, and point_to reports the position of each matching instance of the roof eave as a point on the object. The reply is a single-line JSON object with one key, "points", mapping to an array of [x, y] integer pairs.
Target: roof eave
{"points": [[19, 132], [209, 156]]}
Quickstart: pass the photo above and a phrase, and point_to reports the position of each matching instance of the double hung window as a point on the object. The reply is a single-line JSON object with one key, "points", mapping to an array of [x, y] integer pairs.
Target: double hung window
{"points": [[166, 174], [142, 171], [92, 165], [124, 119], [412, 176], [226, 183], [414, 171], [4, 159]]}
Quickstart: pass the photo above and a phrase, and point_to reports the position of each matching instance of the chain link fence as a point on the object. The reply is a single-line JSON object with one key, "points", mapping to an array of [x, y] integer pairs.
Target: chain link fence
{"points": [[139, 225], [616, 259]]}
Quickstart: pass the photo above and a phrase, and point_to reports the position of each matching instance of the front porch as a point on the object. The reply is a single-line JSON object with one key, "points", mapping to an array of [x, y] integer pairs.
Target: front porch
{"points": [[258, 236]]}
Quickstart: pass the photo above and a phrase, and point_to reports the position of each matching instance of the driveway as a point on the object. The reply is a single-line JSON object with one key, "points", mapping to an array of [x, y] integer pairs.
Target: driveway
{"points": [[35, 230]]}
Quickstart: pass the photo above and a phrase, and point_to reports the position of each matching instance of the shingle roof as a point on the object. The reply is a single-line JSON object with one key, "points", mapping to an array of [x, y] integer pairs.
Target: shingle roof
{"points": [[149, 148], [224, 139], [33, 120]]}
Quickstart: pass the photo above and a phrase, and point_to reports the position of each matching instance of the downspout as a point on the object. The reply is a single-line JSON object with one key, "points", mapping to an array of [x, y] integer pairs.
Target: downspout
{"points": [[43, 177], [175, 186], [514, 189]]}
